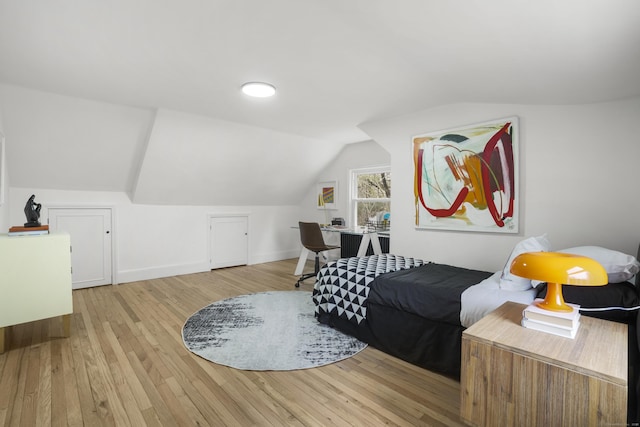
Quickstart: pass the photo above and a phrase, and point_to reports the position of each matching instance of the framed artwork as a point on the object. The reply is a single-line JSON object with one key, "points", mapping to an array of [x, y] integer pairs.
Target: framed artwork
{"points": [[465, 179], [327, 195], [2, 160]]}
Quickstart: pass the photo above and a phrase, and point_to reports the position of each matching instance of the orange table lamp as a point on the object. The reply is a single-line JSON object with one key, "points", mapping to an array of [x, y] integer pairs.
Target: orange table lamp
{"points": [[557, 269]]}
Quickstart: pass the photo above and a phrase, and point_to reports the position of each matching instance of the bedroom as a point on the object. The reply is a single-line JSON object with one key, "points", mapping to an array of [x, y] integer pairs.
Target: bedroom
{"points": [[577, 163]]}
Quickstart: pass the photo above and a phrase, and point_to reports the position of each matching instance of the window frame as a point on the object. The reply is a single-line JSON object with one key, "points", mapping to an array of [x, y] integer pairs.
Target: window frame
{"points": [[353, 190]]}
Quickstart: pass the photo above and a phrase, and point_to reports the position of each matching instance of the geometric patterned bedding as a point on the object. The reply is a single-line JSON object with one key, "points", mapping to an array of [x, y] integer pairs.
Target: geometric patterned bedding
{"points": [[343, 285]]}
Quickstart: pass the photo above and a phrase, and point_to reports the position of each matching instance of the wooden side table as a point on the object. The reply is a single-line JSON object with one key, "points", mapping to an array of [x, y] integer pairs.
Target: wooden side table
{"points": [[511, 375]]}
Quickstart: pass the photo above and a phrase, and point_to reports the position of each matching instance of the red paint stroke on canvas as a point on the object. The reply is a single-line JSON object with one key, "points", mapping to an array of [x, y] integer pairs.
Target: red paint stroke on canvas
{"points": [[501, 136], [440, 212]]}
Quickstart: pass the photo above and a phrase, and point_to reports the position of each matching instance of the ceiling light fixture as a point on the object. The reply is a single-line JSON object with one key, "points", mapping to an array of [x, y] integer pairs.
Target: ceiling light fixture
{"points": [[258, 89]]}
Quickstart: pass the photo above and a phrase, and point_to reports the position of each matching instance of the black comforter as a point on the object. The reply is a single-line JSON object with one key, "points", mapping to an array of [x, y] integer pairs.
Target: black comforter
{"points": [[411, 312], [432, 291]]}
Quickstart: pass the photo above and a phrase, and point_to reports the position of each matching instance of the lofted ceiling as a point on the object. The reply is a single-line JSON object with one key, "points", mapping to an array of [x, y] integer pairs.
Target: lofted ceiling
{"points": [[336, 64]]}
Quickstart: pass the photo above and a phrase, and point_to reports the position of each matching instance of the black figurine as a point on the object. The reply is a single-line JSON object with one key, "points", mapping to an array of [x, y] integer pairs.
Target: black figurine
{"points": [[32, 212]]}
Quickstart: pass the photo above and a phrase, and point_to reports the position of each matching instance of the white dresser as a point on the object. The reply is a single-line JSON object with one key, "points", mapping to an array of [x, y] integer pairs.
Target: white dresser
{"points": [[35, 281]]}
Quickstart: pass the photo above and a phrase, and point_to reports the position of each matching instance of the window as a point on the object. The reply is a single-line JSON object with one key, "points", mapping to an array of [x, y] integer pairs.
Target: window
{"points": [[371, 197]]}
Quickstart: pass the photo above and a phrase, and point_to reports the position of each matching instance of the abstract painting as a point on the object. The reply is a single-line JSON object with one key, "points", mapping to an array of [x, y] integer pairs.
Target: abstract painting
{"points": [[465, 179], [327, 195]]}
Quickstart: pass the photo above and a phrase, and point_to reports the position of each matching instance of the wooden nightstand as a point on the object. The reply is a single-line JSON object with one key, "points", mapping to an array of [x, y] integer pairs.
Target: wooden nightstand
{"points": [[511, 375]]}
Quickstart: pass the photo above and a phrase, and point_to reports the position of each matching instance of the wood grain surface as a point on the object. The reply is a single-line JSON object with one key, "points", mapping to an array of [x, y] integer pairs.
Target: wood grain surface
{"points": [[517, 376], [124, 364]]}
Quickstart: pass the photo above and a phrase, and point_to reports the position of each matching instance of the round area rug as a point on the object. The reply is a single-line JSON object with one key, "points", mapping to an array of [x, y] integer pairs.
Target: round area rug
{"points": [[266, 331]]}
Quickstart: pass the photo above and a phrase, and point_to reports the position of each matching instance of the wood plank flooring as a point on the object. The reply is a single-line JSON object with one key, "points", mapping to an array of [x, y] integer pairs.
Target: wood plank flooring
{"points": [[125, 365]]}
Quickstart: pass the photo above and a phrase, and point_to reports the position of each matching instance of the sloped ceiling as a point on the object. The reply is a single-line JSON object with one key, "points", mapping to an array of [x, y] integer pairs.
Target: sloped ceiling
{"points": [[119, 82], [67, 143], [198, 160], [155, 156]]}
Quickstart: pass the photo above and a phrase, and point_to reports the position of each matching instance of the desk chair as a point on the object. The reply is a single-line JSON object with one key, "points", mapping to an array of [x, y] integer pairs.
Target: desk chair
{"points": [[311, 238]]}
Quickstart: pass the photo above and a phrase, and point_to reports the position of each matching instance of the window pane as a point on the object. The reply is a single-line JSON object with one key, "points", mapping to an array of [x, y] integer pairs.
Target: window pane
{"points": [[376, 214], [374, 185]]}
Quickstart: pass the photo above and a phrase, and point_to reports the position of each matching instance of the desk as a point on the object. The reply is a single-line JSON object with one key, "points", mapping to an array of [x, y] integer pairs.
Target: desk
{"points": [[368, 236]]}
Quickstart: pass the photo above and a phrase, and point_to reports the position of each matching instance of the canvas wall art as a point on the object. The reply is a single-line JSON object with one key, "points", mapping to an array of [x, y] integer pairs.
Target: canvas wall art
{"points": [[327, 195], [465, 179]]}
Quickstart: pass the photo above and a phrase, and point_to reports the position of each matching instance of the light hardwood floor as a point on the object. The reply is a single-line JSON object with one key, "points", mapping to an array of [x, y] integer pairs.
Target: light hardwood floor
{"points": [[125, 365]]}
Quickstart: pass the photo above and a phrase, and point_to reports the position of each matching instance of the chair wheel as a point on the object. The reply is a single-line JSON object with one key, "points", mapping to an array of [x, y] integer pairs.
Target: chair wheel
{"points": [[297, 284]]}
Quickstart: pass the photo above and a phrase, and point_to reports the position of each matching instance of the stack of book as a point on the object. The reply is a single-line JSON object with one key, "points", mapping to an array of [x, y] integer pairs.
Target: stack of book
{"points": [[28, 231], [564, 324]]}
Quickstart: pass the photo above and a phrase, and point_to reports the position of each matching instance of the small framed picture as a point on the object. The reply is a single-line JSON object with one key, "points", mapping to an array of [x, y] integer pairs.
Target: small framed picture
{"points": [[327, 195]]}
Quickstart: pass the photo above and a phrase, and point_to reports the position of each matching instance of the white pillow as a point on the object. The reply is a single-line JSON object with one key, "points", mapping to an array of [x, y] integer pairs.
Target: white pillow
{"points": [[511, 282], [620, 267]]}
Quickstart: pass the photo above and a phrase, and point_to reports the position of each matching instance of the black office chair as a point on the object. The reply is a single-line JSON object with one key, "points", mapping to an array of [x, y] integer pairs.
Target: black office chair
{"points": [[311, 238]]}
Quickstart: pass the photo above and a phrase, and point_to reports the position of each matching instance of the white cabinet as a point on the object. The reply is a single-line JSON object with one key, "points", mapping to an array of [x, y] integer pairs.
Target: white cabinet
{"points": [[35, 280]]}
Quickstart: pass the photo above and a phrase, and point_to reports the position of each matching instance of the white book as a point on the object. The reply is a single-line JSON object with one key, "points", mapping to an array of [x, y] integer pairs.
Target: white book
{"points": [[558, 318], [550, 329], [28, 233]]}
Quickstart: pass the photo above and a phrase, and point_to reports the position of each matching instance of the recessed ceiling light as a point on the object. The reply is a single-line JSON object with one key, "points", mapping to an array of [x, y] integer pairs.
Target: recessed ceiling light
{"points": [[258, 89]]}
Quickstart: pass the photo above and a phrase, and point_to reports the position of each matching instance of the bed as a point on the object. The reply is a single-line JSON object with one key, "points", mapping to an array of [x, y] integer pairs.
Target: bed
{"points": [[407, 307], [416, 310]]}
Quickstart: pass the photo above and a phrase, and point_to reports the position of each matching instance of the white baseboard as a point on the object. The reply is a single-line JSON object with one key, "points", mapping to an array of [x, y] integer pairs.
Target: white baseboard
{"points": [[135, 275], [274, 256], [127, 276]]}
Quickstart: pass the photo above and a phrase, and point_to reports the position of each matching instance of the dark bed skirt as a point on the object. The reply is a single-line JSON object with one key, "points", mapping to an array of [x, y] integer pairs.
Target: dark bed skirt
{"points": [[431, 345]]}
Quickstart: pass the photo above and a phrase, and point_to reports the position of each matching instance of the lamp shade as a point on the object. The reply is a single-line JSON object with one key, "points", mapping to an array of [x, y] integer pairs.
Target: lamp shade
{"points": [[557, 269]]}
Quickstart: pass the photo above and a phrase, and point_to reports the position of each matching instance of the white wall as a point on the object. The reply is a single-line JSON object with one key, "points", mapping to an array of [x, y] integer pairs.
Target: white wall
{"points": [[162, 240], [577, 183], [4, 182], [158, 241], [578, 179], [201, 161], [353, 156], [68, 143]]}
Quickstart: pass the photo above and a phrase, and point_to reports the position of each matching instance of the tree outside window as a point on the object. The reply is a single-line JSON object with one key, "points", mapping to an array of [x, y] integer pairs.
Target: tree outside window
{"points": [[371, 197]]}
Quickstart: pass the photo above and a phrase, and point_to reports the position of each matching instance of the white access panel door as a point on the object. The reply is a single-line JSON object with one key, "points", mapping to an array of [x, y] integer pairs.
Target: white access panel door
{"points": [[90, 231], [229, 241]]}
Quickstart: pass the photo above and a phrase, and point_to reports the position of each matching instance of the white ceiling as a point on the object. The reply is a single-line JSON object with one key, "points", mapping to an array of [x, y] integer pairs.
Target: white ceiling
{"points": [[336, 63]]}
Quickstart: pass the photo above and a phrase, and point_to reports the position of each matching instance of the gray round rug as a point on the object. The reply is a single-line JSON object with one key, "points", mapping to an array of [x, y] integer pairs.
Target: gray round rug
{"points": [[266, 331]]}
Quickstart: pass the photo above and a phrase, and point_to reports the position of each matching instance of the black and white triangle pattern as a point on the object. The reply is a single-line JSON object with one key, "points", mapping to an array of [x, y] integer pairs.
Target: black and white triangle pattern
{"points": [[343, 285]]}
